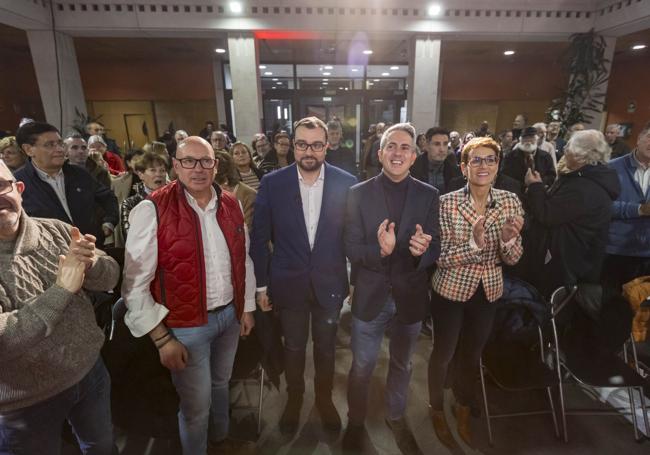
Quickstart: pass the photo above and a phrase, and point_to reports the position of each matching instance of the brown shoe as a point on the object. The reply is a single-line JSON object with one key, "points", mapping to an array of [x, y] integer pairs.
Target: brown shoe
{"points": [[463, 415], [441, 428]]}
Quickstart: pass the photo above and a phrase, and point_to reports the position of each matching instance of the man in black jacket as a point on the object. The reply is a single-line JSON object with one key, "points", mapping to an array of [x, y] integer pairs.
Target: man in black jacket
{"points": [[526, 155], [437, 167], [56, 189]]}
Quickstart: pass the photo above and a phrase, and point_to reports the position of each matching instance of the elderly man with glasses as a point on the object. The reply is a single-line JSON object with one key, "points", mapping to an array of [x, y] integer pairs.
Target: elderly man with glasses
{"points": [[189, 285]]}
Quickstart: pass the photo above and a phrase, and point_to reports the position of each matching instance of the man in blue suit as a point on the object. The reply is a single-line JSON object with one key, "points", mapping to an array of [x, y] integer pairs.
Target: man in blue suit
{"points": [[299, 210]]}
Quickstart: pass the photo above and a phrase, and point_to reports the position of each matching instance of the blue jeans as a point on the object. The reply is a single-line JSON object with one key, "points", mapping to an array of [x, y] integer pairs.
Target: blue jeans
{"points": [[36, 429], [202, 385], [366, 341]]}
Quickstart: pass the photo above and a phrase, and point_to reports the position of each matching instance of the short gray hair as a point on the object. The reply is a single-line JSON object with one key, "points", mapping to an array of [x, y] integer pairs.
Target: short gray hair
{"points": [[612, 126], [406, 127], [589, 147], [96, 138]]}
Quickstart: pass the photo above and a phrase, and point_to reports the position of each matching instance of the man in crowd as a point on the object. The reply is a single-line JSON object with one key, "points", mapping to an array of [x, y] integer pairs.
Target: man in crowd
{"points": [[526, 155], [338, 154], [628, 245], [518, 125], [484, 130], [370, 161], [51, 368], [261, 148], [392, 240], [189, 284], [56, 189], [619, 148], [553, 136], [437, 166], [506, 142], [219, 141], [300, 209], [542, 143], [454, 143], [97, 145], [76, 150]]}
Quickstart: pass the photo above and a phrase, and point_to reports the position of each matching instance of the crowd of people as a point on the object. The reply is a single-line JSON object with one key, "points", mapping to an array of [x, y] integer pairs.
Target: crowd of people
{"points": [[211, 230]]}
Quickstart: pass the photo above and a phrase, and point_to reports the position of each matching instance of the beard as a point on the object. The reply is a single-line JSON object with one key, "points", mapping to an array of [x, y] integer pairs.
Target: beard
{"points": [[309, 164], [528, 148]]}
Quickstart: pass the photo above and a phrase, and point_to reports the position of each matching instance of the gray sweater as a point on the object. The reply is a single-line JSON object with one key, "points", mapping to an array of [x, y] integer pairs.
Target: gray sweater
{"points": [[49, 339]]}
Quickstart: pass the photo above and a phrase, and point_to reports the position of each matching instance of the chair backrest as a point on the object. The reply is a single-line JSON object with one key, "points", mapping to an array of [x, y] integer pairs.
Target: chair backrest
{"points": [[560, 297]]}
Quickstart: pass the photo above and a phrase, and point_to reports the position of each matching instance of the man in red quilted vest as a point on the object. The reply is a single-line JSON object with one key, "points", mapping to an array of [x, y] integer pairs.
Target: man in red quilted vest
{"points": [[189, 284]]}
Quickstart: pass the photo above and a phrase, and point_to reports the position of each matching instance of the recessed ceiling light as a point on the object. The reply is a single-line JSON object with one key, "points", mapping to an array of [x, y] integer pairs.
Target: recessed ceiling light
{"points": [[325, 83], [394, 68], [328, 67], [274, 79], [509, 52], [262, 67], [340, 88], [368, 52], [346, 88], [220, 50], [385, 74], [279, 83], [235, 7], [327, 74], [434, 10], [638, 47], [355, 70], [376, 80], [273, 88], [325, 80], [268, 73]]}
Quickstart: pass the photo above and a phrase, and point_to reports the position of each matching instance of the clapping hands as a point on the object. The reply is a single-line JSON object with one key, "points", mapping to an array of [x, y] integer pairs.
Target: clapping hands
{"points": [[419, 242], [386, 238]]}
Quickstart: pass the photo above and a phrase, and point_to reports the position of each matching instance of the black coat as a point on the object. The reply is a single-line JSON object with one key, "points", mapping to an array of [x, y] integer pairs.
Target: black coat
{"points": [[84, 195], [571, 222], [514, 165], [450, 170]]}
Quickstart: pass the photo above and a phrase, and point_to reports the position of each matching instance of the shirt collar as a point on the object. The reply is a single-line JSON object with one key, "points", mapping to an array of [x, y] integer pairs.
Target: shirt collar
{"points": [[636, 163], [211, 205], [44, 175], [321, 175]]}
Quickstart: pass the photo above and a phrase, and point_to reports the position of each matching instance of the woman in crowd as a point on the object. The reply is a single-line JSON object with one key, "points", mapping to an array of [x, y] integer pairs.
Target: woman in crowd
{"points": [[421, 143], [97, 145], [246, 168], [280, 155], [479, 230], [566, 242], [228, 179], [151, 169], [11, 154]]}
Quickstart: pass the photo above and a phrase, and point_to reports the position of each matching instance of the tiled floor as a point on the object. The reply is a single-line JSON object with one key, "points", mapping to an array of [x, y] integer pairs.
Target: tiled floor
{"points": [[522, 435]]}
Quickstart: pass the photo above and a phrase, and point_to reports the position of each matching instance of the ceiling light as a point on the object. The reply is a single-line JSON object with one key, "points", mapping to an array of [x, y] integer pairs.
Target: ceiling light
{"points": [[279, 83], [327, 74], [509, 52], [325, 83], [220, 50], [273, 88], [638, 47], [268, 73], [434, 10], [394, 68], [325, 80], [274, 79], [235, 7], [340, 88], [368, 52], [385, 74], [355, 70], [262, 67], [376, 80], [371, 83], [328, 67], [346, 88]]}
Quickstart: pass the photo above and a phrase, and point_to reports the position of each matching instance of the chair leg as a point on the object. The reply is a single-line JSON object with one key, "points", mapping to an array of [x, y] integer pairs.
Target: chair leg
{"points": [[485, 405], [558, 367], [552, 405], [641, 391], [630, 394], [261, 402]]}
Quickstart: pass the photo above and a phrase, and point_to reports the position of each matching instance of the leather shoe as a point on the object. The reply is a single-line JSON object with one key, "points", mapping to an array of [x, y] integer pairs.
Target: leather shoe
{"points": [[463, 414], [291, 416], [441, 428], [404, 436], [328, 414]]}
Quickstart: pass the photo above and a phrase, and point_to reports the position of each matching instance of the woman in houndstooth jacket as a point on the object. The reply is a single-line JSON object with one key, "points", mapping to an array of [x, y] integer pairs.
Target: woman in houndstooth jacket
{"points": [[479, 229]]}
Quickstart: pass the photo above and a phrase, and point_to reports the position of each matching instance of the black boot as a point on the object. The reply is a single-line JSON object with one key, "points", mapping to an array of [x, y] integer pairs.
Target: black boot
{"points": [[328, 414], [291, 416]]}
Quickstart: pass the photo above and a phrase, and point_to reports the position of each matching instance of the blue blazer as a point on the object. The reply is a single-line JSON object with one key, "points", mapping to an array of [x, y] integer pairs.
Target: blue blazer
{"points": [[290, 269], [400, 274], [84, 194]]}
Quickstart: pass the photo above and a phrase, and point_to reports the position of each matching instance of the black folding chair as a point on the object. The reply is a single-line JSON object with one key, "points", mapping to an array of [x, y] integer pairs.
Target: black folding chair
{"points": [[601, 370]]}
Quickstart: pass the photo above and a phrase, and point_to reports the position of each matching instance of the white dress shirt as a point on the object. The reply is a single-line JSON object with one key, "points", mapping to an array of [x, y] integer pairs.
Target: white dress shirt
{"points": [[58, 185], [641, 175], [141, 262], [312, 199]]}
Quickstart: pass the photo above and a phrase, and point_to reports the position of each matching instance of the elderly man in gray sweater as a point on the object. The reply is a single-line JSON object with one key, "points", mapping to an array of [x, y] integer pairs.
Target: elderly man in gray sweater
{"points": [[49, 340]]}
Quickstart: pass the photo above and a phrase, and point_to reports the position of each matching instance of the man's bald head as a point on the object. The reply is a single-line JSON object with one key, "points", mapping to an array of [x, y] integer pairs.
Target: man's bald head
{"points": [[195, 143]]}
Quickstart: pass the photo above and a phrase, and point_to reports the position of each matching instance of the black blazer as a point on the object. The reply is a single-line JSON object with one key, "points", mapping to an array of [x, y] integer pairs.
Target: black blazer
{"points": [[84, 194], [400, 274], [450, 170]]}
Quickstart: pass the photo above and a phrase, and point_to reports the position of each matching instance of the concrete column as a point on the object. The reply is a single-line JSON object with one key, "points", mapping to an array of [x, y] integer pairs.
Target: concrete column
{"points": [[46, 50], [425, 75], [246, 85], [598, 122], [219, 89]]}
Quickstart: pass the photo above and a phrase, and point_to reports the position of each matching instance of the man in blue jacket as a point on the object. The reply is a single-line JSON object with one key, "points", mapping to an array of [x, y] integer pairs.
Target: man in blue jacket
{"points": [[628, 245], [56, 189], [300, 209]]}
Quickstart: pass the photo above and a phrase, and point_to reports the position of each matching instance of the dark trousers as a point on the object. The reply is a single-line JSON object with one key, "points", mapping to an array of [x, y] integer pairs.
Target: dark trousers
{"points": [[295, 329], [471, 323]]}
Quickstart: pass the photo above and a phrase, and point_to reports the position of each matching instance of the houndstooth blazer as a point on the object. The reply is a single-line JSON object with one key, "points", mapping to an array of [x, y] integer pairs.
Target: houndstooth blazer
{"points": [[462, 267]]}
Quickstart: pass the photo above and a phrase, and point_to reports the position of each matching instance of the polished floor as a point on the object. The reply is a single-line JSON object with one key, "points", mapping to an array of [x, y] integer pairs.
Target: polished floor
{"points": [[521, 435]]}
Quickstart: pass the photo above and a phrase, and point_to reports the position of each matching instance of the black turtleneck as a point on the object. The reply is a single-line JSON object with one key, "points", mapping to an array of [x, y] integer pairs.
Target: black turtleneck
{"points": [[395, 193]]}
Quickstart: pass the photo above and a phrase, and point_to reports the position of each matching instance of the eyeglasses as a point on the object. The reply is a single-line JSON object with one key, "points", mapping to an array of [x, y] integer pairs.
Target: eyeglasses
{"points": [[6, 186], [315, 146], [488, 160], [82, 147], [51, 144], [190, 163]]}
